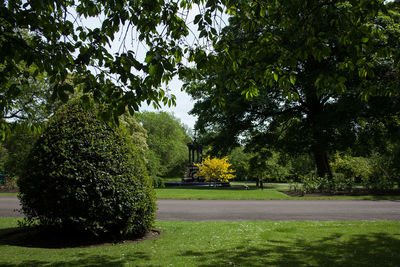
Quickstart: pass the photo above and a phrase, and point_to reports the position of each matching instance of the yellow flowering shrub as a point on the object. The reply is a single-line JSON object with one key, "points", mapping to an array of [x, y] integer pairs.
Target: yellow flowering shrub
{"points": [[215, 169]]}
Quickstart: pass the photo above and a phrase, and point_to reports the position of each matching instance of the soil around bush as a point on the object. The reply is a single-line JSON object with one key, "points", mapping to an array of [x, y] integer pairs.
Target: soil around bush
{"points": [[39, 238]]}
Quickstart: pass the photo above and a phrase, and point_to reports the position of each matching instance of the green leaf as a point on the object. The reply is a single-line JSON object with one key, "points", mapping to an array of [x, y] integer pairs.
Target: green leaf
{"points": [[197, 18], [276, 76], [292, 79], [153, 69]]}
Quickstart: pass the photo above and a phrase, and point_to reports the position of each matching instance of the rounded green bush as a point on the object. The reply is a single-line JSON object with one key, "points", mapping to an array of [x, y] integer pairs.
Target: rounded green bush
{"points": [[86, 176]]}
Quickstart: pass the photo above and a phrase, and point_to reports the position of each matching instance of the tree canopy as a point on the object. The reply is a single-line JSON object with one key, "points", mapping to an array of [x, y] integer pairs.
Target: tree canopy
{"points": [[61, 42], [298, 75], [166, 140]]}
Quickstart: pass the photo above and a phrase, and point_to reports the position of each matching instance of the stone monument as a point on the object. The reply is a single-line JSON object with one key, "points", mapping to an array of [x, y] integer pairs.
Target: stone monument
{"points": [[195, 156]]}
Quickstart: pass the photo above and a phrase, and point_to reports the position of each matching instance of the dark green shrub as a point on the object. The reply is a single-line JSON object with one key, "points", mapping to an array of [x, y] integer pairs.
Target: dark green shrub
{"points": [[312, 183], [83, 175], [342, 183], [158, 182], [382, 176]]}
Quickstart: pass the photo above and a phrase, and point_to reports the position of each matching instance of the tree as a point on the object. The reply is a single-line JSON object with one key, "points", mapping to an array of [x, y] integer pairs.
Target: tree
{"points": [[215, 169], [137, 133], [62, 41], [16, 148], [26, 102], [297, 75], [240, 163], [166, 139]]}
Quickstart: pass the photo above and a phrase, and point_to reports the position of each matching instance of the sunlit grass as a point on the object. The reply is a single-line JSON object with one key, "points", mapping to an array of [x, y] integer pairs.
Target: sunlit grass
{"points": [[253, 194], [262, 243]]}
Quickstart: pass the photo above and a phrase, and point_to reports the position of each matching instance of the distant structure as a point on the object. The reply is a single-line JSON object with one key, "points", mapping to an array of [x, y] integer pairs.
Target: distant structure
{"points": [[195, 156]]}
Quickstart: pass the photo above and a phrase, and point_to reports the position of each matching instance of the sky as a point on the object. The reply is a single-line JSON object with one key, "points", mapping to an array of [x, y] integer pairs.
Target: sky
{"points": [[184, 104]]}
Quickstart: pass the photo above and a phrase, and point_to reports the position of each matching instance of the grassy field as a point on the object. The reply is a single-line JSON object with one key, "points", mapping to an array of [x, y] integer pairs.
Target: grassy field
{"points": [[8, 194], [271, 191], [263, 243], [231, 193]]}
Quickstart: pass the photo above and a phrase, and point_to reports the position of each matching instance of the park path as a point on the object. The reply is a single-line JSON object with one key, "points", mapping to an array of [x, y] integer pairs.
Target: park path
{"points": [[239, 210]]}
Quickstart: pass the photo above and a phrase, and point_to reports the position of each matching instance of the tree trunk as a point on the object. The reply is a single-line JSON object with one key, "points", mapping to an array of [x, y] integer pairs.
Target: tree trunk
{"points": [[322, 163], [320, 138]]}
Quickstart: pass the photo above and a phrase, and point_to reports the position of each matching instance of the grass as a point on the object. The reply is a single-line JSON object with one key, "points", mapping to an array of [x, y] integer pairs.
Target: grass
{"points": [[263, 243], [218, 193], [8, 194], [176, 179], [271, 191]]}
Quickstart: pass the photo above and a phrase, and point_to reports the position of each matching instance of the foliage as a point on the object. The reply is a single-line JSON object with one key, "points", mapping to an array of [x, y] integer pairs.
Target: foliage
{"points": [[312, 183], [16, 148], [137, 134], [166, 140], [30, 106], [297, 164], [297, 76], [375, 173], [98, 42], [383, 175], [358, 168], [379, 141], [157, 182], [342, 183], [62, 41], [266, 165], [239, 160], [3, 158], [274, 166], [215, 169], [86, 176]]}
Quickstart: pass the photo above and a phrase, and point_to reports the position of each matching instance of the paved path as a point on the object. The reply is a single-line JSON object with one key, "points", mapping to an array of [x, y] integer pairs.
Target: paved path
{"points": [[237, 210]]}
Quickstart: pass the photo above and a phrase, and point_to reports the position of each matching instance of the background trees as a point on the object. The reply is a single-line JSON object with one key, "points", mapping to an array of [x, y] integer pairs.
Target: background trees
{"points": [[298, 76], [166, 140]]}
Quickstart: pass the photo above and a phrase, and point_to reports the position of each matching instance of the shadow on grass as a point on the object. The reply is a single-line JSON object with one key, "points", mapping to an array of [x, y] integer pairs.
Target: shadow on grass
{"points": [[84, 260], [53, 239], [359, 250]]}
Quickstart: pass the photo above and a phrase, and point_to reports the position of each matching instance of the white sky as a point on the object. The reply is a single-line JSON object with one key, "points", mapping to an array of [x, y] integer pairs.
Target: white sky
{"points": [[184, 104]]}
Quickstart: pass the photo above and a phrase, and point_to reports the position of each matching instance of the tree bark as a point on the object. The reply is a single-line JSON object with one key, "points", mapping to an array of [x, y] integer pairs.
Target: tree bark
{"points": [[322, 163]]}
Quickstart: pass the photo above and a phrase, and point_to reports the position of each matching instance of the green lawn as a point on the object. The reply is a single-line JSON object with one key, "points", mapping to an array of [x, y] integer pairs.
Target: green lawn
{"points": [[230, 193], [218, 193], [263, 243], [8, 194]]}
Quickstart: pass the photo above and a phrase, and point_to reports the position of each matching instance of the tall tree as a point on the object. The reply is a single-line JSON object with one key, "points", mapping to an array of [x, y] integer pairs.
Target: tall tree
{"points": [[166, 139], [63, 41], [298, 75]]}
